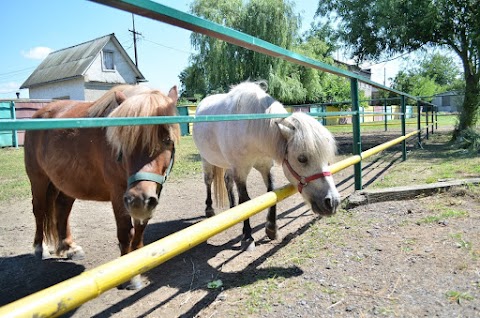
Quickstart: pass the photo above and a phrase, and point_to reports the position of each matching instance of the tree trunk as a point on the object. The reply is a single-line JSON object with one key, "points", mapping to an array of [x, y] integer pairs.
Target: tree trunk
{"points": [[469, 115]]}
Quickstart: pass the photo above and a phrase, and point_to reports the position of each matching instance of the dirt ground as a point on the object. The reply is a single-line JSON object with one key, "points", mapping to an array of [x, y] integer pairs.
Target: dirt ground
{"points": [[382, 259]]}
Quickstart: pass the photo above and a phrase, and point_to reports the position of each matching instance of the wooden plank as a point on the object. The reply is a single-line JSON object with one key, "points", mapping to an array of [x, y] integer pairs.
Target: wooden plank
{"points": [[405, 192]]}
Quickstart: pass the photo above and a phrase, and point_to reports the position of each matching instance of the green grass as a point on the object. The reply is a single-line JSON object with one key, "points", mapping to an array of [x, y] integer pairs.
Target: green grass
{"points": [[187, 160], [438, 160], [14, 183], [394, 125], [458, 297]]}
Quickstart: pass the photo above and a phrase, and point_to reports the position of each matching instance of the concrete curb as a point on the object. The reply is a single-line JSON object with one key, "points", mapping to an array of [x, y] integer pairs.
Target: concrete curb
{"points": [[364, 197]]}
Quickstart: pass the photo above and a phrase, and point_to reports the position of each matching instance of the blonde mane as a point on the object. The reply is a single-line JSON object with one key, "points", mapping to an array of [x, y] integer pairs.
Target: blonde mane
{"points": [[124, 139], [311, 136], [103, 106]]}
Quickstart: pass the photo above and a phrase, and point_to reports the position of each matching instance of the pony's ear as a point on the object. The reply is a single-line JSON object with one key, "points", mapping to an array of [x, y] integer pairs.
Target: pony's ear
{"points": [[287, 131], [173, 94], [120, 97]]}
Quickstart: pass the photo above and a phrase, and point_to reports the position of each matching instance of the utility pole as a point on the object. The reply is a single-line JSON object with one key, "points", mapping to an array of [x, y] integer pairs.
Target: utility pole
{"points": [[134, 32]]}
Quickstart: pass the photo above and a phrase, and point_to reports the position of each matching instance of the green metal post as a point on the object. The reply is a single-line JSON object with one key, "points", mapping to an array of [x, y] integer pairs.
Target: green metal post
{"points": [[404, 115], [14, 132], [357, 139], [426, 119], [419, 122], [385, 111], [433, 119]]}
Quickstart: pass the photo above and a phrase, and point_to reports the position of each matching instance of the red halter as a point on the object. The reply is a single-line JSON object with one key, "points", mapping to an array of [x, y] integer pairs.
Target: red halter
{"points": [[303, 181]]}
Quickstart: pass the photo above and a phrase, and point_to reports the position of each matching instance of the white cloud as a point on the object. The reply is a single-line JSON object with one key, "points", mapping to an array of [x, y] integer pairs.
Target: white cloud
{"points": [[37, 53]]}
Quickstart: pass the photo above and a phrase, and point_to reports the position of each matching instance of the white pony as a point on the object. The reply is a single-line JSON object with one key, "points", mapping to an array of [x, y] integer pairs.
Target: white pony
{"points": [[229, 150]]}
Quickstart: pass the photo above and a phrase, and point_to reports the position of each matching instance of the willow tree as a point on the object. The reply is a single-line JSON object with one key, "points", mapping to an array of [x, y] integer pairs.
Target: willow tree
{"points": [[386, 27], [224, 64]]}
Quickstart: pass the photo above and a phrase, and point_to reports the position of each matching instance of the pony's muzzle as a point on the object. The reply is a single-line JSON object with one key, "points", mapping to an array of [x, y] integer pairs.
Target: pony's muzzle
{"points": [[328, 206], [143, 202], [140, 206]]}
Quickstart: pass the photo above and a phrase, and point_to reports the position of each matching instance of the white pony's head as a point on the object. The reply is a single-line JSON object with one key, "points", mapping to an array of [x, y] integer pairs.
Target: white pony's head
{"points": [[310, 147]]}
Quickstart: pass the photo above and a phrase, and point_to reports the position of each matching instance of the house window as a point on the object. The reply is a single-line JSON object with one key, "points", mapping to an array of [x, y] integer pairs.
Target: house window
{"points": [[108, 60]]}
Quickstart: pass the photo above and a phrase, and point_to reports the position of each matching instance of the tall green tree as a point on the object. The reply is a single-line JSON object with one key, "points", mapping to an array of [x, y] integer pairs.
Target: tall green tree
{"points": [[225, 64], [375, 28]]}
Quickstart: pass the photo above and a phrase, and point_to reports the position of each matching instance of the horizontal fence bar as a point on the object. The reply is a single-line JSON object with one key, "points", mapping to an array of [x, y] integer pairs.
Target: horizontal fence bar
{"points": [[57, 123], [62, 123], [70, 294]]}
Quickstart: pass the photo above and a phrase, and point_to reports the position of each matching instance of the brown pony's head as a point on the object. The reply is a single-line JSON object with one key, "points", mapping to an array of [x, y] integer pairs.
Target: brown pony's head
{"points": [[147, 151]]}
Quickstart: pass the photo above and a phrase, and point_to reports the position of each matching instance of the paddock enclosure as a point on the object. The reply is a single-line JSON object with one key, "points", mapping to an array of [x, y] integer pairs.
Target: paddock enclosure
{"points": [[72, 293]]}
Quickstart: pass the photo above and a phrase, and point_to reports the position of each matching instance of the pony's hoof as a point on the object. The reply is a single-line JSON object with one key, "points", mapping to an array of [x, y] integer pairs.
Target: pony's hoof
{"points": [[42, 253], [272, 232], [248, 246], [76, 253], [137, 282], [209, 213]]}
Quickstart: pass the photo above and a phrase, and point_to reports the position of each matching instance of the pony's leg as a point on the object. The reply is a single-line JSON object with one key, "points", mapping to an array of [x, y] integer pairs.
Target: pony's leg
{"points": [[271, 227], [66, 246], [138, 281], [40, 207], [125, 234], [248, 243], [124, 227], [208, 179], [229, 181]]}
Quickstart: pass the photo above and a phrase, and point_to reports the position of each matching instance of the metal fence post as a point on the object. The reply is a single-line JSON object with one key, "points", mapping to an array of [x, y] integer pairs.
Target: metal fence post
{"points": [[426, 118], [385, 110], [404, 115], [357, 139], [13, 115], [419, 121]]}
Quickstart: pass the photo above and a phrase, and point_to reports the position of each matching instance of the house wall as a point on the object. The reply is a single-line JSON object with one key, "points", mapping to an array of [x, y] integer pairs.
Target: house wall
{"points": [[449, 101], [122, 74], [67, 89], [94, 91]]}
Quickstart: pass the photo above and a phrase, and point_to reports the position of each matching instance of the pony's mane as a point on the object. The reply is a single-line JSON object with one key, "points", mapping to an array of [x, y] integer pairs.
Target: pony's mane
{"points": [[313, 136], [124, 139], [103, 106]]}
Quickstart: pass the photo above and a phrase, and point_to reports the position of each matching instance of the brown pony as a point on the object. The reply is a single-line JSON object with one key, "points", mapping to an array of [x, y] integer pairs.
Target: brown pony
{"points": [[126, 165]]}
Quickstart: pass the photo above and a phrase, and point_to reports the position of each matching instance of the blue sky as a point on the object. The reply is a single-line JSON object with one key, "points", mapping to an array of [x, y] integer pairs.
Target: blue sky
{"points": [[32, 28]]}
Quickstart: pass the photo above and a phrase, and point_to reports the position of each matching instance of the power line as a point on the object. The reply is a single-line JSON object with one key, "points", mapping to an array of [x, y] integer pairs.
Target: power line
{"points": [[17, 71], [166, 46]]}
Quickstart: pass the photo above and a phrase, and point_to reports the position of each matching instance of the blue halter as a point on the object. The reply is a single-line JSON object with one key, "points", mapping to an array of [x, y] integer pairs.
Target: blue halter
{"points": [[149, 176]]}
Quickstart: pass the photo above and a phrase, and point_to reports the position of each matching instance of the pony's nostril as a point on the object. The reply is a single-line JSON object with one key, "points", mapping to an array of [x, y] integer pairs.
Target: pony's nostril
{"points": [[127, 200], [151, 203], [328, 203]]}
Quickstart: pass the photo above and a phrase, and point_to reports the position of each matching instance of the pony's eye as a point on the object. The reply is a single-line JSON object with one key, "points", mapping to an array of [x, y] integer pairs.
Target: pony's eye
{"points": [[167, 141], [302, 159]]}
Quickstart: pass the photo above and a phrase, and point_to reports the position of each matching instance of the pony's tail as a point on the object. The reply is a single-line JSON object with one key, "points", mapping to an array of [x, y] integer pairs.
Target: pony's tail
{"points": [[219, 187], [50, 232]]}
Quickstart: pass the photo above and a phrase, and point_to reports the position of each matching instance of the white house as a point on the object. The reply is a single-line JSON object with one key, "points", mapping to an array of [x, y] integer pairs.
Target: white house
{"points": [[84, 71]]}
